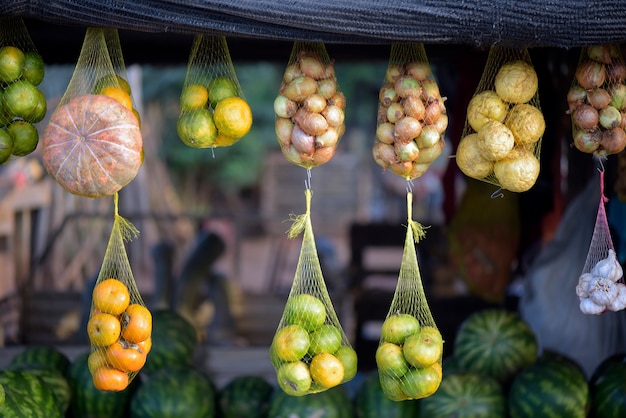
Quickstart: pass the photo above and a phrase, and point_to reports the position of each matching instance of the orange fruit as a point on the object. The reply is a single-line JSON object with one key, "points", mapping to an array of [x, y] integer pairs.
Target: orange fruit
{"points": [[34, 68], [425, 348], [118, 94], [40, 110], [11, 63], [138, 116], [109, 379], [25, 137], [399, 326], [325, 339], [233, 117], [196, 128], [224, 141], [21, 99], [221, 88], [392, 387], [294, 378], [6, 146], [137, 323], [194, 96], [103, 329], [390, 360], [305, 310], [112, 80], [420, 383], [97, 359], [291, 343], [111, 296], [326, 370]]}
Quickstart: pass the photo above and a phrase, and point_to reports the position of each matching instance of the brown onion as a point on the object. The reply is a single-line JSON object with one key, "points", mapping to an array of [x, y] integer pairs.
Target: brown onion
{"points": [[292, 154], [600, 53], [428, 155], [300, 88], [587, 141], [623, 123], [327, 87], [341, 129], [338, 99], [312, 67], [576, 96], [323, 155], [334, 115], [395, 112], [302, 141], [407, 129], [598, 98], [618, 96], [418, 170], [329, 71], [613, 142], [314, 103], [442, 123], [384, 132], [610, 117], [407, 86], [418, 70], [384, 154], [381, 115], [292, 72], [586, 117], [616, 72], [406, 151], [394, 72], [402, 168], [590, 74], [284, 107], [387, 94], [284, 128], [414, 107], [328, 138], [430, 91], [311, 123], [428, 137], [433, 112]]}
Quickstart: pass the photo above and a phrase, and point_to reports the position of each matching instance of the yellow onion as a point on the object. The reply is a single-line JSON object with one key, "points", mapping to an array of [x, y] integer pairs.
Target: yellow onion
{"points": [[312, 67], [381, 115], [394, 72], [387, 94], [334, 115], [311, 123], [300, 88], [613, 142], [414, 107], [407, 86], [616, 72], [518, 171], [384, 132], [284, 129], [618, 96], [430, 91], [418, 70], [495, 140], [587, 141], [598, 98], [623, 123], [609, 117], [516, 82], [402, 168], [484, 107], [470, 159], [302, 141], [442, 123], [428, 137], [576, 96], [284, 107], [430, 154], [292, 154], [407, 129], [526, 122], [329, 71], [328, 138], [433, 112], [586, 117], [384, 154], [338, 99], [418, 170], [406, 151], [314, 103], [395, 112], [590, 74], [600, 53], [292, 72], [327, 87], [323, 155], [341, 129]]}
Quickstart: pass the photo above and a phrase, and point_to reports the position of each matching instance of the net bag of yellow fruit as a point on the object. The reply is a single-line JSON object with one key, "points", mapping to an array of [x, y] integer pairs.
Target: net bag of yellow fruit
{"points": [[22, 104], [501, 140], [309, 107], [601, 285], [410, 349], [310, 351], [597, 101], [120, 325], [214, 111], [412, 117], [92, 145]]}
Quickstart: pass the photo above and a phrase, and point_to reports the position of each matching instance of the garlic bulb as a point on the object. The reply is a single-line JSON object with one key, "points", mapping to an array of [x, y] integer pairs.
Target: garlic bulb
{"points": [[588, 307], [619, 302], [602, 291], [608, 267], [582, 288]]}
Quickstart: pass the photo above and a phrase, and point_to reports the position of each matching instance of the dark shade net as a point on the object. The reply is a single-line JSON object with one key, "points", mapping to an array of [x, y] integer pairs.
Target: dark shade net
{"points": [[514, 23]]}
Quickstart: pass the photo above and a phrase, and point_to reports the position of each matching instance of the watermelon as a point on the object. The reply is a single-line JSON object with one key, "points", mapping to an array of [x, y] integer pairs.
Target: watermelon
{"points": [[465, 395], [495, 343], [608, 388], [245, 397], [26, 396], [331, 403], [174, 341], [371, 402], [550, 387], [53, 379], [1, 395], [89, 402], [42, 355], [176, 391]]}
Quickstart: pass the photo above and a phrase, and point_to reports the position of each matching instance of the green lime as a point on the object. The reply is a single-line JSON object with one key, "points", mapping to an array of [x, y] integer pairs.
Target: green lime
{"points": [[25, 137], [11, 63], [221, 88], [6, 146], [34, 68], [196, 128]]}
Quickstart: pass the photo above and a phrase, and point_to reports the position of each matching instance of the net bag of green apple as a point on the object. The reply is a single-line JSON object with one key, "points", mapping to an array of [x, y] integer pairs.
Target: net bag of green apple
{"points": [[601, 285], [310, 351], [120, 325], [92, 145], [501, 139], [309, 107], [412, 117], [410, 349], [597, 99], [214, 111], [22, 104]]}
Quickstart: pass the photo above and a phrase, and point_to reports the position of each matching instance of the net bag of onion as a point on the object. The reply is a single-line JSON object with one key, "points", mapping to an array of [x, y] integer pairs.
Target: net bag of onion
{"points": [[214, 111], [412, 117], [501, 140], [597, 101], [601, 285], [410, 349], [120, 325], [310, 351], [22, 104], [310, 107], [92, 145]]}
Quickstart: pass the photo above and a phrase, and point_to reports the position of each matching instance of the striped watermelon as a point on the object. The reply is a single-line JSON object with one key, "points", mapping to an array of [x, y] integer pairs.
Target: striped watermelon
{"points": [[552, 387], [371, 402], [331, 403], [245, 397], [495, 343], [608, 388], [1, 395], [177, 391], [42, 355], [465, 395], [26, 396], [53, 379], [174, 341]]}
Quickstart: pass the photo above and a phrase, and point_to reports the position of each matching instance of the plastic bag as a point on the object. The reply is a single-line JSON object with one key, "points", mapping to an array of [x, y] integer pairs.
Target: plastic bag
{"points": [[310, 107], [120, 325], [410, 349], [310, 351], [92, 145], [214, 112], [501, 140], [412, 117]]}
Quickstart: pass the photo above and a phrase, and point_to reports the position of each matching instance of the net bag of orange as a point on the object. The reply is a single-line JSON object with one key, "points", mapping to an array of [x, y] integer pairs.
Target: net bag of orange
{"points": [[601, 285], [309, 107], [214, 111], [412, 117], [310, 351], [22, 104], [501, 140], [120, 325], [597, 99], [410, 349], [92, 145]]}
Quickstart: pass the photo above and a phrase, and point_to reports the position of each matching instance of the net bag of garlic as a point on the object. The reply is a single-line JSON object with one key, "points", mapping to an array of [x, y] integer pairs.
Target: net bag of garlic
{"points": [[22, 104], [214, 111], [601, 285], [310, 107], [501, 140], [120, 325], [410, 349], [310, 351], [412, 116], [92, 145], [597, 99]]}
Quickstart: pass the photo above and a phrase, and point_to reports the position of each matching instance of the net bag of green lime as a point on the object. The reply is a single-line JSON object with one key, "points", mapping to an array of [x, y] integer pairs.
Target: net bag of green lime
{"points": [[22, 104], [309, 107], [501, 140], [92, 145], [410, 349], [120, 325], [596, 100], [601, 285], [214, 111], [310, 351], [412, 117]]}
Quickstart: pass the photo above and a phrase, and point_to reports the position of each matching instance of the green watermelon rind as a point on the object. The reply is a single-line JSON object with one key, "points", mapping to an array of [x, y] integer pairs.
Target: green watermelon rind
{"points": [[608, 390], [371, 402], [174, 341], [245, 397], [331, 403], [53, 379], [42, 355], [26, 396]]}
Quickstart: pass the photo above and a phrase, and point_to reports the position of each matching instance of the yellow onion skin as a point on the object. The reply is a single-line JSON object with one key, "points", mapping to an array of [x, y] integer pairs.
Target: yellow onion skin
{"points": [[414, 107], [406, 151], [430, 154], [315, 103], [312, 67], [384, 154], [613, 142], [334, 115], [407, 129], [616, 72], [388, 95], [418, 70], [284, 107], [587, 141], [300, 88], [302, 141], [586, 117], [327, 139], [385, 132], [284, 129], [590, 74], [311, 123], [323, 155]]}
